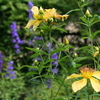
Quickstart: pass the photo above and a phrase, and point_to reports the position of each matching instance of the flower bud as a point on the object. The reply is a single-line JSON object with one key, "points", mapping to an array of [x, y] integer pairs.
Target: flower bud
{"points": [[36, 62], [96, 53], [75, 55], [88, 13], [66, 41], [96, 48]]}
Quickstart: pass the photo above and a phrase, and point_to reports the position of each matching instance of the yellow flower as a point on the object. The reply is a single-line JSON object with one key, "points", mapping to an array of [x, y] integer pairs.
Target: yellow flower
{"points": [[42, 15], [97, 51], [51, 13], [38, 17], [86, 73]]}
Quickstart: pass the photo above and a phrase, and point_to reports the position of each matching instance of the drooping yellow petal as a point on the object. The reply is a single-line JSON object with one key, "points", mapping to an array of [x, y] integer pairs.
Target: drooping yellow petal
{"points": [[35, 10], [78, 85], [30, 23], [36, 24], [74, 76], [95, 84], [96, 74]]}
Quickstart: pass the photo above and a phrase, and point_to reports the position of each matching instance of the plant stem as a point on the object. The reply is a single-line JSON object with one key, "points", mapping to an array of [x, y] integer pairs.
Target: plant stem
{"points": [[87, 94], [59, 88]]}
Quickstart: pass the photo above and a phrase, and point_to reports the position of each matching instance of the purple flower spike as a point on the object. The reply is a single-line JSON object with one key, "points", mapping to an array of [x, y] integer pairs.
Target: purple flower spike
{"points": [[10, 73], [30, 4], [18, 50], [55, 57], [16, 39], [37, 38], [49, 82], [55, 70]]}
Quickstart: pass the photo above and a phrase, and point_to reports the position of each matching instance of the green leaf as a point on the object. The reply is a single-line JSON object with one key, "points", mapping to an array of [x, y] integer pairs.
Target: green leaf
{"points": [[32, 49], [34, 55], [83, 23], [32, 73], [84, 19], [84, 37], [94, 34], [95, 22], [72, 11], [85, 4], [46, 76], [78, 59], [85, 47], [60, 29], [50, 60], [57, 50], [30, 66], [45, 28], [38, 53]]}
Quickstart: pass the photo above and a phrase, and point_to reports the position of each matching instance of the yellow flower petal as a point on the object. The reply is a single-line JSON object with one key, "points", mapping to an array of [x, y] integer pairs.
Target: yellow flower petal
{"points": [[36, 24], [74, 76], [95, 84], [35, 10], [78, 85], [30, 23], [96, 74]]}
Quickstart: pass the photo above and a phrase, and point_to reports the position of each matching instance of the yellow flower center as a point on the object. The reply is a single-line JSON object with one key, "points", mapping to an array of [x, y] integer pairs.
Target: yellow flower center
{"points": [[86, 71]]}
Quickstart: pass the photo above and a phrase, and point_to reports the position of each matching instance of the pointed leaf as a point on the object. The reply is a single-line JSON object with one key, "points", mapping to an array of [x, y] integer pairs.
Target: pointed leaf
{"points": [[94, 34]]}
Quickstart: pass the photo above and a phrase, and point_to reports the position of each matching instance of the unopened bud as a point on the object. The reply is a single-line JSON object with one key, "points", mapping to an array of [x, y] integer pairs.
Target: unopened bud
{"points": [[66, 41], [82, 0], [88, 13], [37, 48], [75, 55], [96, 48], [42, 31], [36, 62], [96, 53]]}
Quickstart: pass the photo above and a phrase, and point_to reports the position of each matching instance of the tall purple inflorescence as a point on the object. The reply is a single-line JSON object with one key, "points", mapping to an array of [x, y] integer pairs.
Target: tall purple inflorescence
{"points": [[49, 82], [55, 57], [55, 63], [10, 73], [16, 39], [30, 4], [1, 61]]}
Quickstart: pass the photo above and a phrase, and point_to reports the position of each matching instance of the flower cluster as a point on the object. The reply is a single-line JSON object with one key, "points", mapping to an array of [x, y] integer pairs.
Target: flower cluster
{"points": [[16, 39], [42, 15], [49, 82], [1, 61], [86, 73], [30, 7], [10, 73], [55, 57]]}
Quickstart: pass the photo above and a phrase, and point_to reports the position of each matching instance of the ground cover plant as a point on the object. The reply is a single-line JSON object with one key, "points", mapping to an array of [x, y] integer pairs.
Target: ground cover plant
{"points": [[49, 56]]}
